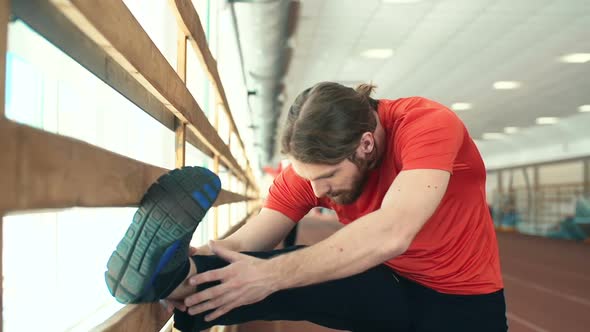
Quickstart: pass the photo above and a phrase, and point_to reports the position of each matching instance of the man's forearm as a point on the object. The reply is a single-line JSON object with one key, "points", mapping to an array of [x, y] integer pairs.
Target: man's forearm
{"points": [[367, 242]]}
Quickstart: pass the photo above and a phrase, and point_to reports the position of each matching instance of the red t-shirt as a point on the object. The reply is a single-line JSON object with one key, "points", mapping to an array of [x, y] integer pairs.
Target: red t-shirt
{"points": [[456, 251]]}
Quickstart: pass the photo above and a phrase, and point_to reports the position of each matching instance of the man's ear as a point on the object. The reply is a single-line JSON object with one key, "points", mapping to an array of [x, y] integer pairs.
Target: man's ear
{"points": [[367, 144]]}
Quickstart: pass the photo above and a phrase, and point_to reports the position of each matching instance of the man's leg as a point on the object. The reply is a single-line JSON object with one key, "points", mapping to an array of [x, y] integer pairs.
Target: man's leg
{"points": [[434, 311], [291, 238], [152, 260], [373, 297]]}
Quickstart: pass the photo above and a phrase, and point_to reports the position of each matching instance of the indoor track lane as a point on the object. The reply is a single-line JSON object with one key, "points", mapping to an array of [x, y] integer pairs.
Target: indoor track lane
{"points": [[547, 283]]}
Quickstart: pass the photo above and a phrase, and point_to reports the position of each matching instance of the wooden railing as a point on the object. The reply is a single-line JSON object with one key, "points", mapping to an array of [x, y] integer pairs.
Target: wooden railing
{"points": [[40, 170]]}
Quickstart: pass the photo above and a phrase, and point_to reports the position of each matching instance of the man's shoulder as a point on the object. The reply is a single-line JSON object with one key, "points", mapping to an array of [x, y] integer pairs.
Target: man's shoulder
{"points": [[408, 103], [288, 176]]}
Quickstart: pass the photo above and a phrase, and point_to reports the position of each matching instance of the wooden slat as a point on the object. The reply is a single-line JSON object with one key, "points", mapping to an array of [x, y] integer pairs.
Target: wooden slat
{"points": [[190, 24], [181, 56], [215, 211], [180, 130], [227, 197], [136, 317], [180, 143], [42, 170], [138, 55]]}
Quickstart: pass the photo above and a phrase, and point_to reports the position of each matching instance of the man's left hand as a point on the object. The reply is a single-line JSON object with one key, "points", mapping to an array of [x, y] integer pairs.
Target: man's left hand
{"points": [[244, 281]]}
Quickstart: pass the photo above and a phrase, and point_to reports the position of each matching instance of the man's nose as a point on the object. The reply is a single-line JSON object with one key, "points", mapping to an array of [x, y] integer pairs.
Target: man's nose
{"points": [[319, 189]]}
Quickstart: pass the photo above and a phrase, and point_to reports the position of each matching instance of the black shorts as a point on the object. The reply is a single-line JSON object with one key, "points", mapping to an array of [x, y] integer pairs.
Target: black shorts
{"points": [[375, 300]]}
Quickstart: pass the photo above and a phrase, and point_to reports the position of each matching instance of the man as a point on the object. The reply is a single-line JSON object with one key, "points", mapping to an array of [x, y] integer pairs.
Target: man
{"points": [[418, 252]]}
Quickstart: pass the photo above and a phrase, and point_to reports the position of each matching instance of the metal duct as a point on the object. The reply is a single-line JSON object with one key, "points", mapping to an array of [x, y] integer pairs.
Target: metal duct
{"points": [[264, 28]]}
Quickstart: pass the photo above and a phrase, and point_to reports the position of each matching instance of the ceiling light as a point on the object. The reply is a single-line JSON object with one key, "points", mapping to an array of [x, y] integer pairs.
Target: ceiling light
{"points": [[378, 53], [511, 130], [584, 108], [401, 1], [547, 120], [575, 58], [506, 85], [493, 136], [461, 106]]}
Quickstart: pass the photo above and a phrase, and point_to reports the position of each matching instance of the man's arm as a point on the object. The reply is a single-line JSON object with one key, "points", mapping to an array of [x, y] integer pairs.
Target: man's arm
{"points": [[368, 241], [371, 240], [262, 232]]}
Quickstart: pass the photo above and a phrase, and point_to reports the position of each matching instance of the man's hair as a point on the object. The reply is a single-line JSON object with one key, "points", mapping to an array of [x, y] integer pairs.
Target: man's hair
{"points": [[326, 122]]}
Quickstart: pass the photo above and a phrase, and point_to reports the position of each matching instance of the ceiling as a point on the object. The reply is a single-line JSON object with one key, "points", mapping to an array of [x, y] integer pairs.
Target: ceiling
{"points": [[453, 51]]}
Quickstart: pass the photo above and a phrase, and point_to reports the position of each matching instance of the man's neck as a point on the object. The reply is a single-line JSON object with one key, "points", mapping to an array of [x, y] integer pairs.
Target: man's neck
{"points": [[380, 141]]}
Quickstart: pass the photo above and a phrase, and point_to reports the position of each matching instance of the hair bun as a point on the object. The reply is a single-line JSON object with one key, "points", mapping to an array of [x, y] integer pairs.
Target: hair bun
{"points": [[365, 89]]}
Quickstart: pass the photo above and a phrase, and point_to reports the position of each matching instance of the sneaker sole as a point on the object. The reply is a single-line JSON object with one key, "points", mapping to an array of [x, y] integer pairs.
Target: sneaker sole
{"points": [[168, 213]]}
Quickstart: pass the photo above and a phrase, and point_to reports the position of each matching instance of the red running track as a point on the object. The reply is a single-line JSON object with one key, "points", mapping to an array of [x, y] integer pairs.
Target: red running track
{"points": [[547, 283]]}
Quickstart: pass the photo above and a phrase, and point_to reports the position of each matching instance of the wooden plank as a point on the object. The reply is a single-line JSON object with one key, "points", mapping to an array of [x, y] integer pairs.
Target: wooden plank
{"points": [[180, 143], [181, 56], [45, 170], [138, 55], [191, 26], [180, 131], [136, 317], [228, 197], [215, 211]]}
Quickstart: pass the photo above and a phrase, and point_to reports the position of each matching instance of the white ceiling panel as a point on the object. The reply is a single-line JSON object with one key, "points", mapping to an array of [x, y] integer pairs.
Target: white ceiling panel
{"points": [[348, 8], [454, 50]]}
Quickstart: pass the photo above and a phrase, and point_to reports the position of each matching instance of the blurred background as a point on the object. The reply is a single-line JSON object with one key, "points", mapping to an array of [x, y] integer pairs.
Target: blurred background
{"points": [[517, 72]]}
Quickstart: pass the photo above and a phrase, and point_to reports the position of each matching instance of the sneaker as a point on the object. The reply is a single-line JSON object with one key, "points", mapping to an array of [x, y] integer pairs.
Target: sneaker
{"points": [[152, 258]]}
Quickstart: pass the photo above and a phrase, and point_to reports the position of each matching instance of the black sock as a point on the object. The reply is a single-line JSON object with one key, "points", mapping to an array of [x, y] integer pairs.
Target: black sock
{"points": [[167, 282]]}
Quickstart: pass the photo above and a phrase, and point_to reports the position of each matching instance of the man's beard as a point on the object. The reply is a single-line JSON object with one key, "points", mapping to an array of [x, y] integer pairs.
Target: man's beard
{"points": [[350, 196], [364, 166]]}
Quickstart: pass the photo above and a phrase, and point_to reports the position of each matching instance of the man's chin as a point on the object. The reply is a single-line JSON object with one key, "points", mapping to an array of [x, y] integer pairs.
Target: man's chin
{"points": [[343, 199]]}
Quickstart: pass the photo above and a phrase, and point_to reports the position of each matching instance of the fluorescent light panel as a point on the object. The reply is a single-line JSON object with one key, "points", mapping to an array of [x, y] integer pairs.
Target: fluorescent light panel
{"points": [[511, 130], [461, 106], [575, 58], [584, 108], [401, 1], [378, 53], [506, 85], [547, 120]]}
